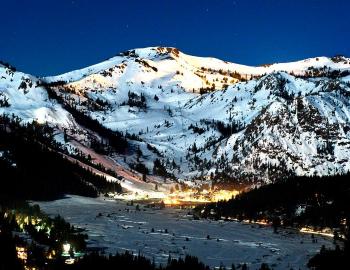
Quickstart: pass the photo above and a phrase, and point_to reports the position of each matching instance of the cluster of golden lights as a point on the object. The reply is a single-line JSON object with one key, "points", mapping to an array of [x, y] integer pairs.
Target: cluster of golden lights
{"points": [[198, 196]]}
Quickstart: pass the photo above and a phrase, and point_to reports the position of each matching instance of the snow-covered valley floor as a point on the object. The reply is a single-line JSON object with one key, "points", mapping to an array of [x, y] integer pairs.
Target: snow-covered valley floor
{"points": [[158, 233]]}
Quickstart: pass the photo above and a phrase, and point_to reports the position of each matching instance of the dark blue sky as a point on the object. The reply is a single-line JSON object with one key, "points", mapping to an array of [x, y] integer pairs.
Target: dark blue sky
{"points": [[54, 36]]}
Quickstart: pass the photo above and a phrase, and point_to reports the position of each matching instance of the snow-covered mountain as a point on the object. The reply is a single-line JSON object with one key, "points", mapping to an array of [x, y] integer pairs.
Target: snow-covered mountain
{"points": [[20, 95], [199, 118]]}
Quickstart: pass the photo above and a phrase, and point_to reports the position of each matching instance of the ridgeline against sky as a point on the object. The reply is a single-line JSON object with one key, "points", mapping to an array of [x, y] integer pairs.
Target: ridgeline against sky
{"points": [[51, 37]]}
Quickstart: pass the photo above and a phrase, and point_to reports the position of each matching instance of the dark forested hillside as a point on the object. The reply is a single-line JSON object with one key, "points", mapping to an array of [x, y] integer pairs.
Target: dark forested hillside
{"points": [[31, 169], [322, 201]]}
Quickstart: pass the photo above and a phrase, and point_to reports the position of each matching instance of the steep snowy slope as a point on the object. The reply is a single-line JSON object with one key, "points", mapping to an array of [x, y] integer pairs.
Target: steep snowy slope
{"points": [[255, 130], [21, 95], [195, 118], [153, 67], [291, 126], [172, 67]]}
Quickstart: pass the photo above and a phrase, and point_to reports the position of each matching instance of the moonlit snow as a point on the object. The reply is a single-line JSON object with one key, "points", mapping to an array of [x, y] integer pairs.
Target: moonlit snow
{"points": [[283, 117], [116, 227]]}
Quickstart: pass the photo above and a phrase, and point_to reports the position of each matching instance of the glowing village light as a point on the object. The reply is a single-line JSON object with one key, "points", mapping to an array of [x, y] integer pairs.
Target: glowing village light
{"points": [[66, 247], [69, 261], [323, 232], [21, 253], [195, 196], [179, 197]]}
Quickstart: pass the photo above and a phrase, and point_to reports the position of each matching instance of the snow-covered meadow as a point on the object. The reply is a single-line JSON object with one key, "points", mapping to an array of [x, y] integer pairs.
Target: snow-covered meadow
{"points": [[115, 226]]}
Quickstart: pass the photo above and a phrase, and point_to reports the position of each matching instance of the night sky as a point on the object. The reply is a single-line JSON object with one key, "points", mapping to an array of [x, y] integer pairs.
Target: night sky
{"points": [[54, 36]]}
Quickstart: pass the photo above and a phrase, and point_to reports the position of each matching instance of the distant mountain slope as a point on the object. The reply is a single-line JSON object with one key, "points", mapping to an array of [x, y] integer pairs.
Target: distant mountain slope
{"points": [[187, 117], [21, 95]]}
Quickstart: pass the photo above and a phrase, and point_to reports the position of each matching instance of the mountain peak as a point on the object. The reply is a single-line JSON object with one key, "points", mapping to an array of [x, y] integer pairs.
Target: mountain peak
{"points": [[150, 52], [156, 97]]}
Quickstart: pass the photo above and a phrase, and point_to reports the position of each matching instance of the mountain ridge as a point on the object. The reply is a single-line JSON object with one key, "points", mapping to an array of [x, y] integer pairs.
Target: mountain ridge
{"points": [[199, 120]]}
